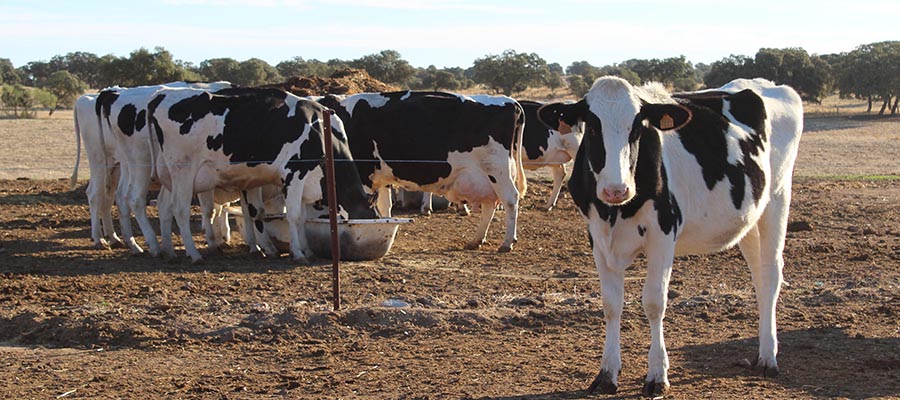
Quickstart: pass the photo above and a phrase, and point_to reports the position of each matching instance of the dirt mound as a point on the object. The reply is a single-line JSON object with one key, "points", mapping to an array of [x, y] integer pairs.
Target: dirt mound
{"points": [[343, 81]]}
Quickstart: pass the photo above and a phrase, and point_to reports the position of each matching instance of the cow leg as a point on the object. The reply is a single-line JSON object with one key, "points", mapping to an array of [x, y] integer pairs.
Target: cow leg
{"points": [[559, 173], [660, 254], [125, 212], [207, 214], [509, 199], [296, 218], [462, 209], [95, 191], [257, 211], [425, 208], [220, 224], [182, 192], [137, 201], [763, 248], [487, 214], [107, 196], [164, 205], [612, 293], [383, 204]]}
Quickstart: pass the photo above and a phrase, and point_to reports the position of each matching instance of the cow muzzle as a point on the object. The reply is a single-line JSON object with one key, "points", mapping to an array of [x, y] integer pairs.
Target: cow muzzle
{"points": [[615, 195]]}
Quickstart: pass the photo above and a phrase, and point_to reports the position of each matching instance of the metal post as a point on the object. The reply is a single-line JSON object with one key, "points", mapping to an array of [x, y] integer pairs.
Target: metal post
{"points": [[332, 213]]}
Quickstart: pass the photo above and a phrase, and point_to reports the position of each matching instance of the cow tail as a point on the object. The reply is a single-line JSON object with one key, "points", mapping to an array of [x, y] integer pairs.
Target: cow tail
{"points": [[154, 144], [74, 180], [518, 152], [103, 140]]}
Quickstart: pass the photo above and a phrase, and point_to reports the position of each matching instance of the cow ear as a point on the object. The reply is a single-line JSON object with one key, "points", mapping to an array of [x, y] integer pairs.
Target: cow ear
{"points": [[666, 117], [561, 117]]}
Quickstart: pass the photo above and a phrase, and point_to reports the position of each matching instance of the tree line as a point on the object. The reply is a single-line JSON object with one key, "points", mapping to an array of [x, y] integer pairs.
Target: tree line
{"points": [[870, 72]]}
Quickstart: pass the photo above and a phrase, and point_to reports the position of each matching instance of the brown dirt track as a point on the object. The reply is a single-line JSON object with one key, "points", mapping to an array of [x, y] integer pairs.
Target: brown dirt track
{"points": [[86, 323]]}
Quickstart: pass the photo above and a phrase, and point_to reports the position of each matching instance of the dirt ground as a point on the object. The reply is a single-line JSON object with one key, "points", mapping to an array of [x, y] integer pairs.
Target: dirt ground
{"points": [[76, 322]]}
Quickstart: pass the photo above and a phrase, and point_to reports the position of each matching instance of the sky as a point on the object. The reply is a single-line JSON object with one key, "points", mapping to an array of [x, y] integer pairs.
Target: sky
{"points": [[444, 33]]}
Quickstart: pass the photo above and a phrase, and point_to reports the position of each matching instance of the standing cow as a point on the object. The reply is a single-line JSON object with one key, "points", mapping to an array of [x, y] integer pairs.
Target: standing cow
{"points": [[689, 173], [104, 168], [238, 139], [549, 148], [122, 116], [467, 149]]}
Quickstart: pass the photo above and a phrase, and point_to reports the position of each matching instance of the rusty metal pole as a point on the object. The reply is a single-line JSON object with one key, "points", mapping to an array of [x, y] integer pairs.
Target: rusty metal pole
{"points": [[332, 213]]}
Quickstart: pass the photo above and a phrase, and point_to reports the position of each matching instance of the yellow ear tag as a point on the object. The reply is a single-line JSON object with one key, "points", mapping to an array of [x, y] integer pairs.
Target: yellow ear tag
{"points": [[666, 122]]}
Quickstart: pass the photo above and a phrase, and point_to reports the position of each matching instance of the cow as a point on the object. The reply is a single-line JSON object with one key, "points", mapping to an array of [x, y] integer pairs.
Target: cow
{"points": [[239, 139], [104, 172], [466, 148], [122, 116], [688, 173], [549, 148]]}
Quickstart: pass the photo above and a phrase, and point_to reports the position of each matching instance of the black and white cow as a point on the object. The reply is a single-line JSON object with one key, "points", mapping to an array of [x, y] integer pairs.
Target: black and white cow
{"points": [[465, 148], [238, 139], [698, 172], [549, 148], [104, 168], [122, 116]]}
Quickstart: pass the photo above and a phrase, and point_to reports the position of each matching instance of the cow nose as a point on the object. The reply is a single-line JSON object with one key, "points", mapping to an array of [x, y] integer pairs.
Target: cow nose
{"points": [[615, 193]]}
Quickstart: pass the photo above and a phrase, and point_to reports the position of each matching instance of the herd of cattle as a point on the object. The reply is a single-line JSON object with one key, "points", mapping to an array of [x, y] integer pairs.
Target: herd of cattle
{"points": [[655, 173]]}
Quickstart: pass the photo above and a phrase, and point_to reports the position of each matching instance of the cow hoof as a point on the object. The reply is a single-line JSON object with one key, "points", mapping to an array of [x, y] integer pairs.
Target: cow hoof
{"points": [[655, 389], [765, 370], [473, 245], [603, 382], [504, 249], [425, 212], [117, 244], [257, 255], [102, 245], [137, 252]]}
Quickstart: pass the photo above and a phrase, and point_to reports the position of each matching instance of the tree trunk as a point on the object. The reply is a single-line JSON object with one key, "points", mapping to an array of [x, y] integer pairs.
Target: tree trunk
{"points": [[894, 108], [868, 110], [884, 105]]}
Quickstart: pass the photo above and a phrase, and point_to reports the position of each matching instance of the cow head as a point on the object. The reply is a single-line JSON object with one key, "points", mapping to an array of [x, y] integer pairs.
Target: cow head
{"points": [[615, 116]]}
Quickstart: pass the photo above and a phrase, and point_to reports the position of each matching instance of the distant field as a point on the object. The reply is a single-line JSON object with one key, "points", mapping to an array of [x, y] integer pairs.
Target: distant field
{"points": [[839, 140]]}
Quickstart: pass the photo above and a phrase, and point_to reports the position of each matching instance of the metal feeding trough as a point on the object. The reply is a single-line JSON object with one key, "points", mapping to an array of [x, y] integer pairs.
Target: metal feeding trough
{"points": [[360, 239]]}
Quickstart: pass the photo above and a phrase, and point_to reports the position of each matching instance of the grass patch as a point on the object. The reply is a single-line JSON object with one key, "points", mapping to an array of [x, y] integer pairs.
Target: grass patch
{"points": [[856, 177]]}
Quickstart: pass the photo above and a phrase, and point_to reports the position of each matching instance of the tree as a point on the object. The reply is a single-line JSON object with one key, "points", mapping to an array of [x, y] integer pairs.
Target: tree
{"points": [[18, 98], [256, 72], [142, 67], [8, 73], [387, 66], [220, 69], [297, 66], [435, 79], [728, 69], [84, 65], [871, 71], [510, 71], [66, 87]]}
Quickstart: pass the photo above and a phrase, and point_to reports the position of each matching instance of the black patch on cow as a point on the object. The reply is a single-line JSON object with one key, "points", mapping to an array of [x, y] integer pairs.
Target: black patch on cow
{"points": [[251, 209], [641, 230], [104, 103], [416, 131], [260, 225], [151, 109], [704, 137], [493, 180], [141, 120], [126, 119], [535, 138]]}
